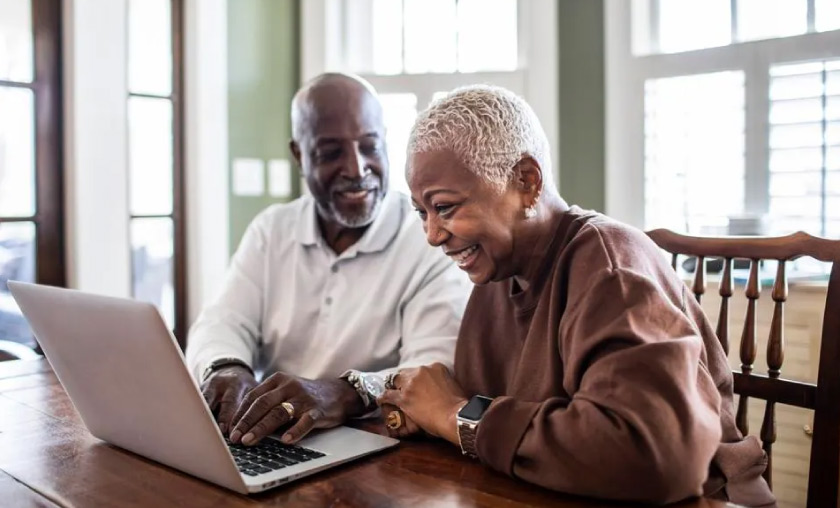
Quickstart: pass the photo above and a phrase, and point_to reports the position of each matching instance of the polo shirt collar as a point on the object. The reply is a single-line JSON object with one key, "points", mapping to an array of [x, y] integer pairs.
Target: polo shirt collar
{"points": [[378, 236]]}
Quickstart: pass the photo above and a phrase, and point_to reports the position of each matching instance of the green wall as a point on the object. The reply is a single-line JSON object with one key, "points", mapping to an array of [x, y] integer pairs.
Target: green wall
{"points": [[263, 75], [582, 134]]}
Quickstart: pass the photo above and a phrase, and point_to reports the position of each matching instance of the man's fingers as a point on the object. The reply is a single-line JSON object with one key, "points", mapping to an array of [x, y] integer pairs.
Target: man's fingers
{"points": [[303, 426], [259, 409], [276, 417], [227, 407], [273, 383], [209, 394]]}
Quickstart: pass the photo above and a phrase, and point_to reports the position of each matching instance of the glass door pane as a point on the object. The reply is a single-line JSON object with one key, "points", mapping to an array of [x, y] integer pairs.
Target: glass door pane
{"points": [[150, 47], [151, 259], [16, 41], [17, 262], [150, 155], [17, 152]]}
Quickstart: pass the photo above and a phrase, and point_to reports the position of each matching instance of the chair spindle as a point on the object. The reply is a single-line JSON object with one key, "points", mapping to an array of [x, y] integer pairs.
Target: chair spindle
{"points": [[748, 342], [699, 278], [725, 295], [775, 358]]}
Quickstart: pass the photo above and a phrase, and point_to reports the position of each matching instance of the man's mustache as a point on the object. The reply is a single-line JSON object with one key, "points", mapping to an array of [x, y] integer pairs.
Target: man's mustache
{"points": [[367, 184]]}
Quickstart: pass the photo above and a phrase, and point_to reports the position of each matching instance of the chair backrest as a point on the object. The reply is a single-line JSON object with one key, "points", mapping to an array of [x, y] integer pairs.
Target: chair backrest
{"points": [[823, 397]]}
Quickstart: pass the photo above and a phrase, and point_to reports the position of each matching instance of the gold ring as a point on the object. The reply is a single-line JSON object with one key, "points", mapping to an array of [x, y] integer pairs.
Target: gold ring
{"points": [[289, 408], [394, 420], [390, 381]]}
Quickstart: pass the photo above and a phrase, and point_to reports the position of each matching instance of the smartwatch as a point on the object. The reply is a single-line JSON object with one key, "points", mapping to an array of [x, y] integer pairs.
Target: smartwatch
{"points": [[468, 419], [223, 362]]}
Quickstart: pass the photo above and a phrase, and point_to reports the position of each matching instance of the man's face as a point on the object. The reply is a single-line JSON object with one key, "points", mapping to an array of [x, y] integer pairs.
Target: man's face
{"points": [[341, 150]]}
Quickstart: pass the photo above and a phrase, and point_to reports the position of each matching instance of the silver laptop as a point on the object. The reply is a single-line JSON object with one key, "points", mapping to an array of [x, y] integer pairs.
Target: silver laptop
{"points": [[125, 373]]}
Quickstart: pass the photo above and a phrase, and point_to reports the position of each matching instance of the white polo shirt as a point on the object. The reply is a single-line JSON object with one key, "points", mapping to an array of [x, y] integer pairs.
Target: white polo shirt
{"points": [[290, 304]]}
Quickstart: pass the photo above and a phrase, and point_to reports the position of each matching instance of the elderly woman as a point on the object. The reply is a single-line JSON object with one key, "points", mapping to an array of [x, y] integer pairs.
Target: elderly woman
{"points": [[582, 364]]}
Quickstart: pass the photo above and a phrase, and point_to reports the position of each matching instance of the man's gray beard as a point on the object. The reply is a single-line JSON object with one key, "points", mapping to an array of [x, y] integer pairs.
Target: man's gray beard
{"points": [[358, 221]]}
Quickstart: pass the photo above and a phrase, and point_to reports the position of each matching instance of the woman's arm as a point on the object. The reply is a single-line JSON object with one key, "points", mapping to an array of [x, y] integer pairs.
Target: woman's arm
{"points": [[642, 423]]}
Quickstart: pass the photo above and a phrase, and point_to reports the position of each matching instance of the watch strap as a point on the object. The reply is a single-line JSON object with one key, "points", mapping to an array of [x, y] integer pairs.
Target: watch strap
{"points": [[466, 436], [223, 362]]}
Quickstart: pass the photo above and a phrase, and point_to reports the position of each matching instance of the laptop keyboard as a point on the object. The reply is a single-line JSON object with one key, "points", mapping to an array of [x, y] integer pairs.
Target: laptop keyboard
{"points": [[269, 455]]}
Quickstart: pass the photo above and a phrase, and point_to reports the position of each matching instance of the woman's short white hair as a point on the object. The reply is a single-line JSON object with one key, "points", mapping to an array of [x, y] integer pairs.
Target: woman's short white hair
{"points": [[488, 127]]}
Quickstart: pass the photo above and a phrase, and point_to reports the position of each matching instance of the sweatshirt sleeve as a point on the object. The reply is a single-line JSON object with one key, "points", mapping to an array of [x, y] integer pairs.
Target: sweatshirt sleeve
{"points": [[642, 422]]}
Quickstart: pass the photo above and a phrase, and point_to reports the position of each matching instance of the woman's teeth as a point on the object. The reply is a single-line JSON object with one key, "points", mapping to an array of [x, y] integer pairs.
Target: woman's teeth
{"points": [[462, 256]]}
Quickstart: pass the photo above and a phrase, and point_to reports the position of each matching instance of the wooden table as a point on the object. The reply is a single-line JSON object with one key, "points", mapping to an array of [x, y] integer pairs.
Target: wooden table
{"points": [[48, 458]]}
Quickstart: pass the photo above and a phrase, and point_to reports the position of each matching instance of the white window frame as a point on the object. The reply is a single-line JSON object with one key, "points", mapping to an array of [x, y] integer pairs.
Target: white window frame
{"points": [[625, 79], [323, 50]]}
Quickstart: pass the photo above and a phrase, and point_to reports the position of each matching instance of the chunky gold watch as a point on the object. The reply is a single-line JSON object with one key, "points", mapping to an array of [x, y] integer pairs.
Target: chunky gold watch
{"points": [[468, 419]]}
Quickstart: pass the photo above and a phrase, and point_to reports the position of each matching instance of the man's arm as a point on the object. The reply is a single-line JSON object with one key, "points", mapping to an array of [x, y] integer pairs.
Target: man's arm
{"points": [[230, 326], [228, 331], [432, 316]]}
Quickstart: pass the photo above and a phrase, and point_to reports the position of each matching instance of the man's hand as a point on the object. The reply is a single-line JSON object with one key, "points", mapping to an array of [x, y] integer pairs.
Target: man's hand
{"points": [[224, 391], [321, 404]]}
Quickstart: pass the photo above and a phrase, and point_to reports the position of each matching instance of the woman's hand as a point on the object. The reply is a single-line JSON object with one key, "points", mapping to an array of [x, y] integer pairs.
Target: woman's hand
{"points": [[430, 397], [407, 426]]}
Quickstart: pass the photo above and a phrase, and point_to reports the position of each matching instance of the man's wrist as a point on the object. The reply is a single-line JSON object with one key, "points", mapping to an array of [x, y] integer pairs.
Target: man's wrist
{"points": [[220, 364], [350, 399], [367, 385]]}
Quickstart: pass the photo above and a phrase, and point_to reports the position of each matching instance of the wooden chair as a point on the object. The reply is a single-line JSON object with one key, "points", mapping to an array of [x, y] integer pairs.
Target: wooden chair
{"points": [[824, 397]]}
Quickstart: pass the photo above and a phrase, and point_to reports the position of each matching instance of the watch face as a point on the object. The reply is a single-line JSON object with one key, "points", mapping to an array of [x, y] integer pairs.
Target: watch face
{"points": [[475, 408], [374, 384]]}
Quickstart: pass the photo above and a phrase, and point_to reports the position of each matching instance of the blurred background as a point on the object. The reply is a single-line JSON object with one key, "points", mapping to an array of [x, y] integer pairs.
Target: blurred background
{"points": [[139, 137]]}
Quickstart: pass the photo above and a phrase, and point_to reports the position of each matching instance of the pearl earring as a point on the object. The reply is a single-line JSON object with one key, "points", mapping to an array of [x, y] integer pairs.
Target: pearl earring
{"points": [[531, 212]]}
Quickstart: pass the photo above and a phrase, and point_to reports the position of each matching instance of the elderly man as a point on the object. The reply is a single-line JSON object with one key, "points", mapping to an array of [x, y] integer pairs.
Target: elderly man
{"points": [[329, 292]]}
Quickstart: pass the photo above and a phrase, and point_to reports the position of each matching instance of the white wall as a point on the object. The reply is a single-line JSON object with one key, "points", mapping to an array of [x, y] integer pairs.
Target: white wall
{"points": [[206, 149], [95, 133]]}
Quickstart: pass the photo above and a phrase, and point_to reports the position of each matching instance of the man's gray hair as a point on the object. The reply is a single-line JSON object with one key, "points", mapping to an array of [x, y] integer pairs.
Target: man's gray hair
{"points": [[490, 129]]}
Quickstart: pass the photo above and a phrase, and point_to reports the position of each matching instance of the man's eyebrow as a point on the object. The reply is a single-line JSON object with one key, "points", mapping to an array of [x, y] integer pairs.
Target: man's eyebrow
{"points": [[329, 140]]}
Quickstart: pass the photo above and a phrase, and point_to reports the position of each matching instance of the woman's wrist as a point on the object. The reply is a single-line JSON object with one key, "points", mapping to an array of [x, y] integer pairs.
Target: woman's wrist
{"points": [[450, 428]]}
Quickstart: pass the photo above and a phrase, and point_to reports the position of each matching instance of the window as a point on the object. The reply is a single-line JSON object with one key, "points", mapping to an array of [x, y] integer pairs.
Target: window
{"points": [[805, 147], [31, 182], [414, 50], [694, 149], [470, 36], [736, 99], [155, 161], [674, 26]]}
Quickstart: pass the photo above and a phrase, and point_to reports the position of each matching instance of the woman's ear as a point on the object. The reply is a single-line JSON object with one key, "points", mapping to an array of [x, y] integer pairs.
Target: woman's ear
{"points": [[529, 179]]}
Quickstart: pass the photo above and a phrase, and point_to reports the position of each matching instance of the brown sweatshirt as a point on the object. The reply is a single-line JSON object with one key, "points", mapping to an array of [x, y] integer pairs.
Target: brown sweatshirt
{"points": [[608, 379]]}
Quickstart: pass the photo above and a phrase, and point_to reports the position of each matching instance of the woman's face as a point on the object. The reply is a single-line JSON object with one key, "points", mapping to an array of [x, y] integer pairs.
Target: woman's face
{"points": [[473, 223]]}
